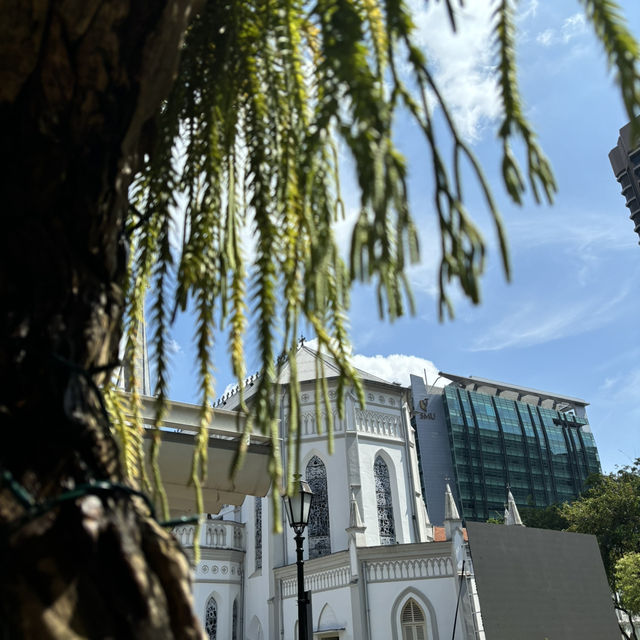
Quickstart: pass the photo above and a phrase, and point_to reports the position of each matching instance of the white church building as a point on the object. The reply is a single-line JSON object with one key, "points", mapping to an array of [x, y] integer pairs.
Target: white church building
{"points": [[376, 568]]}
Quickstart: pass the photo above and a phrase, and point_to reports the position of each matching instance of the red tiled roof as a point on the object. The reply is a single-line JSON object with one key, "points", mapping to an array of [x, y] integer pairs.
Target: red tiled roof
{"points": [[440, 536]]}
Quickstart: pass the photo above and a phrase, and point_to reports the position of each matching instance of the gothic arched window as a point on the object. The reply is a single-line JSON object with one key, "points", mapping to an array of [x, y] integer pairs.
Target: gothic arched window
{"points": [[211, 618], [413, 622], [319, 532], [258, 533], [383, 499], [234, 621]]}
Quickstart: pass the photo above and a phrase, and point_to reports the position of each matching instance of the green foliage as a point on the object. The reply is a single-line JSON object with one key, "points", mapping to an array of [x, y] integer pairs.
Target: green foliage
{"points": [[514, 122], [628, 581], [547, 518], [621, 48], [610, 510], [246, 144]]}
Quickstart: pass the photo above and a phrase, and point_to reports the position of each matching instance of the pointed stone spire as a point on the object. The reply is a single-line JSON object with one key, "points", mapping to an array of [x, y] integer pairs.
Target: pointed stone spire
{"points": [[511, 513], [452, 520], [450, 509], [356, 526], [355, 521], [357, 539], [141, 365]]}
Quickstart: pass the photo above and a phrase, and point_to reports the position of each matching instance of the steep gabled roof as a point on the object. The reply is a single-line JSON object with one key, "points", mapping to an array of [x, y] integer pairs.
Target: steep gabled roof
{"points": [[306, 362]]}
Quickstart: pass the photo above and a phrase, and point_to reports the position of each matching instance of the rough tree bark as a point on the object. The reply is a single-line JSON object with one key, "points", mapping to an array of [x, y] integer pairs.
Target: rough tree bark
{"points": [[79, 83]]}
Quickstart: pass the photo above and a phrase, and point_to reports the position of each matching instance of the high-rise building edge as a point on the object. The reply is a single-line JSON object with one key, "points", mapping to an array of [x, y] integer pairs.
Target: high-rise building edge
{"points": [[484, 437], [625, 162]]}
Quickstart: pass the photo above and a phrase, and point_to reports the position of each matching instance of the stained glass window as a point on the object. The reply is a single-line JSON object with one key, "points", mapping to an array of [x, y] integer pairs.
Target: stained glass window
{"points": [[318, 528], [413, 623], [234, 621], [258, 535], [211, 618], [383, 499]]}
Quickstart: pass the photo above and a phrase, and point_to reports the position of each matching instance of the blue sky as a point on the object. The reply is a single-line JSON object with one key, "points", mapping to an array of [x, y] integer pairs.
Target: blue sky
{"points": [[569, 322]]}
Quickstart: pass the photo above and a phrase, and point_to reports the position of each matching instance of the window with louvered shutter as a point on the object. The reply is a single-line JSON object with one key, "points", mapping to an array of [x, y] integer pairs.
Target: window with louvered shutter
{"points": [[413, 622]]}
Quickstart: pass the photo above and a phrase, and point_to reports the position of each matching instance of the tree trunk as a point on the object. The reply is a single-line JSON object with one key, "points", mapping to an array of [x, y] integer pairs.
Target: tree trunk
{"points": [[80, 81]]}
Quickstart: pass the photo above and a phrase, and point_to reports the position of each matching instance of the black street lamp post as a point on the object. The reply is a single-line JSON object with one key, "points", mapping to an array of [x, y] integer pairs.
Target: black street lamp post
{"points": [[297, 507]]}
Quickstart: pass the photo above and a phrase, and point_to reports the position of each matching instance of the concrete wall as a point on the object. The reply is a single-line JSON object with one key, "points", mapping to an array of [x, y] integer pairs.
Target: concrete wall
{"points": [[433, 442]]}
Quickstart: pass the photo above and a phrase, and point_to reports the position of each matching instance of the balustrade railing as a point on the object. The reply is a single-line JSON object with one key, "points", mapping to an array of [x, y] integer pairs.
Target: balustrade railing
{"points": [[214, 534]]}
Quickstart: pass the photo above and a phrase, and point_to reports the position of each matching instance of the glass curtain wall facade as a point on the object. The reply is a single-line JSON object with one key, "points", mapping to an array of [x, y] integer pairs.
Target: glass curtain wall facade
{"points": [[543, 455]]}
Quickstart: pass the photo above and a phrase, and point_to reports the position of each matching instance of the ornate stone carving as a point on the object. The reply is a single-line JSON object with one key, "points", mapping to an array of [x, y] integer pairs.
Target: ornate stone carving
{"points": [[308, 425], [214, 534], [377, 423], [412, 568], [320, 581]]}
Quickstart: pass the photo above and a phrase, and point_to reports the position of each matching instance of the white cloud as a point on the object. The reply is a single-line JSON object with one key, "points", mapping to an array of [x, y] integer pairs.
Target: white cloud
{"points": [[397, 367], [173, 346], [585, 238], [546, 37], [572, 27], [529, 11], [623, 388], [534, 324], [564, 228], [463, 61]]}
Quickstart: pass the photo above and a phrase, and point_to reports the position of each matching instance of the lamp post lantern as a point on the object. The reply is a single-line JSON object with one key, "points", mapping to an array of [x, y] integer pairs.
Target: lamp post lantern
{"points": [[297, 507]]}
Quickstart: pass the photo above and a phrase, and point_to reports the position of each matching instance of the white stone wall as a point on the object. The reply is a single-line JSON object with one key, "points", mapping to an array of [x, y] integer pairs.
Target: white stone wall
{"points": [[386, 579], [257, 586], [330, 605], [435, 596], [379, 429], [215, 578], [363, 434], [395, 459]]}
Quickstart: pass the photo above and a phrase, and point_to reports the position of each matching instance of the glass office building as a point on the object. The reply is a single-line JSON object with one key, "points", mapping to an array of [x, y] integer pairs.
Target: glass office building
{"points": [[498, 436]]}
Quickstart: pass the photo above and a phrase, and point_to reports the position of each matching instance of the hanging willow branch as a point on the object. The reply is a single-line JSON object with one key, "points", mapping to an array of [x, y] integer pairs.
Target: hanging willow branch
{"points": [[246, 145]]}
